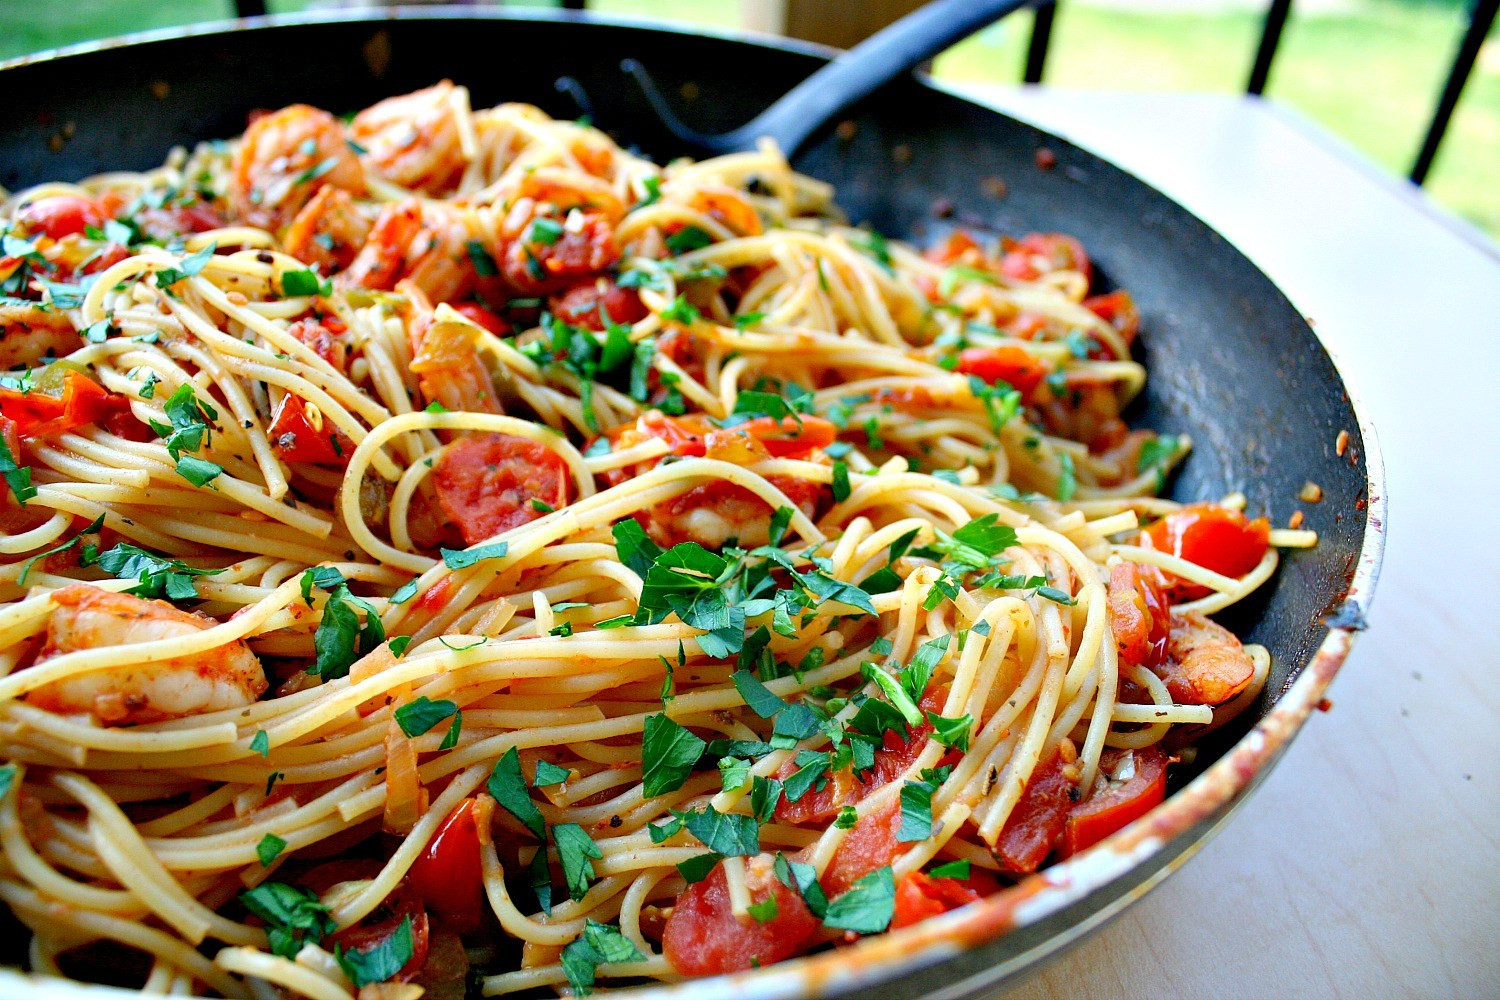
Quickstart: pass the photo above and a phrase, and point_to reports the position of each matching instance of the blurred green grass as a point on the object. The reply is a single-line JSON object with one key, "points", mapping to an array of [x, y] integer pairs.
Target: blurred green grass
{"points": [[1367, 70]]}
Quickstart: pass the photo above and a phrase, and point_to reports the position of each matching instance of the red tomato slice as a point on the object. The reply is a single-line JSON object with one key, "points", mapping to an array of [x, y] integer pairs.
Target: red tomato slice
{"points": [[62, 215], [1038, 818], [1139, 615], [785, 438], [1119, 803], [919, 896], [491, 321], [1006, 363], [957, 244], [1215, 538], [870, 845], [1036, 254], [485, 483], [369, 934], [704, 938], [581, 306], [447, 877], [83, 401], [1119, 310], [323, 341], [294, 439]]}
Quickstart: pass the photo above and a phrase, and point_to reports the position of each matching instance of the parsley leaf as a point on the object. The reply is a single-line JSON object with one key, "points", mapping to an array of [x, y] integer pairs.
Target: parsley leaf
{"points": [[293, 916], [269, 849], [729, 834], [91, 529], [668, 753], [952, 732], [549, 774], [464, 558], [507, 787], [381, 961], [687, 239], [341, 639], [17, 477], [696, 869], [574, 849], [419, 716], [953, 869], [803, 878], [158, 576], [600, 944], [868, 905], [186, 268], [761, 699]]}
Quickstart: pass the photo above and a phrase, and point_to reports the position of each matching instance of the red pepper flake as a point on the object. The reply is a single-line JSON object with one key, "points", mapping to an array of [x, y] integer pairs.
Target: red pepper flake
{"points": [[1045, 158], [1341, 444]]}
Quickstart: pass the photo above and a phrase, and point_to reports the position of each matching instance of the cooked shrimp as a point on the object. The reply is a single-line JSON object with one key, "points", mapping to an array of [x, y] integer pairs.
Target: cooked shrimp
{"points": [[282, 161], [413, 140], [88, 618], [426, 245], [445, 357], [28, 334], [1205, 664], [728, 207], [715, 512], [329, 230]]}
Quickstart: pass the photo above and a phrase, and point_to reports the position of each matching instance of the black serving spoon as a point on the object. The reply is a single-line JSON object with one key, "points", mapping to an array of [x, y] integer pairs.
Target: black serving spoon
{"points": [[832, 90]]}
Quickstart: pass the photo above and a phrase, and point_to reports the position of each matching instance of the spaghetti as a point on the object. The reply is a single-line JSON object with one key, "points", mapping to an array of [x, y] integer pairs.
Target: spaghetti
{"points": [[447, 541]]}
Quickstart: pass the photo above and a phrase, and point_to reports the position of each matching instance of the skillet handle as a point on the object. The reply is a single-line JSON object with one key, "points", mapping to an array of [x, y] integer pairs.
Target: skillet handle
{"points": [[854, 75]]}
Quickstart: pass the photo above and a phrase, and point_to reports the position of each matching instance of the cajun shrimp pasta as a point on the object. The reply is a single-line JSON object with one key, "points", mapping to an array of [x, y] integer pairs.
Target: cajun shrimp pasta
{"points": [[445, 554]]}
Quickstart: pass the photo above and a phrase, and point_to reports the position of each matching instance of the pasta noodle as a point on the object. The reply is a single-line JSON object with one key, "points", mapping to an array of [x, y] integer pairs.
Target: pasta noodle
{"points": [[446, 539]]}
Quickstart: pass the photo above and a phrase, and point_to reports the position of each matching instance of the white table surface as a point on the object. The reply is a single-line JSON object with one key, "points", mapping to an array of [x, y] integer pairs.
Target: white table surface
{"points": [[1367, 864]]}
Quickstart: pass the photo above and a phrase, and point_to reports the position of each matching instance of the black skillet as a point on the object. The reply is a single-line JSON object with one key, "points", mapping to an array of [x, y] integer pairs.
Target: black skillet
{"points": [[1232, 363]]}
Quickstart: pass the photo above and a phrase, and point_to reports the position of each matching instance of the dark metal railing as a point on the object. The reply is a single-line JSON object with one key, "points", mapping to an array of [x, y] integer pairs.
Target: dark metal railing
{"points": [[1481, 19]]}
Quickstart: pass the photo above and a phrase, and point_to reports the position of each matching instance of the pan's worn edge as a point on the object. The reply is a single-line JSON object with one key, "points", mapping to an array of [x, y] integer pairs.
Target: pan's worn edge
{"points": [[1197, 811]]}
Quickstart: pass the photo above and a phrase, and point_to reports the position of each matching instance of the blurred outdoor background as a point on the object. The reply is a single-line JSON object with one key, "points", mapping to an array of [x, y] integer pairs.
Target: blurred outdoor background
{"points": [[1369, 71]]}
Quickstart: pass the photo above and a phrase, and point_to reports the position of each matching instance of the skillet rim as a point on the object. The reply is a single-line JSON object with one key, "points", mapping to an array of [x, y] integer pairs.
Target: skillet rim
{"points": [[1076, 895]]}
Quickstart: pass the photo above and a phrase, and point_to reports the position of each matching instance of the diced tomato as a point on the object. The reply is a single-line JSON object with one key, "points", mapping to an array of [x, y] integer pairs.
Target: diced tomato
{"points": [[447, 876], [1120, 802], [434, 597], [579, 254], [491, 321], [784, 438], [376, 929], [486, 482], [322, 340], [1036, 254], [1212, 536], [62, 215], [844, 788], [694, 436], [953, 248], [167, 223], [819, 805], [107, 258], [1026, 325], [919, 896], [1139, 615], [1006, 363], [1038, 818], [1119, 310], [871, 844], [295, 439], [586, 305], [703, 937], [83, 401]]}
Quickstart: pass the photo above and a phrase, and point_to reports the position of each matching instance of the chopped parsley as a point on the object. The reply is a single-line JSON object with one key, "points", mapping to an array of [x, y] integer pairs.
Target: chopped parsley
{"points": [[600, 944], [507, 787], [668, 753], [294, 916], [867, 907], [381, 961], [419, 716], [156, 576]]}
